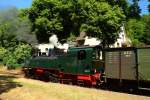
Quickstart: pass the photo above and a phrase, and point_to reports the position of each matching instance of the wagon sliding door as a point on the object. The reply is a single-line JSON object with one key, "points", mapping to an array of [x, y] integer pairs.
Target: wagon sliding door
{"points": [[120, 63], [144, 67]]}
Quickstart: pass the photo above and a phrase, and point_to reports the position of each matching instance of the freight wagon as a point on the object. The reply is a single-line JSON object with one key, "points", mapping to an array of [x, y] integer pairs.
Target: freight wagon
{"points": [[127, 67]]}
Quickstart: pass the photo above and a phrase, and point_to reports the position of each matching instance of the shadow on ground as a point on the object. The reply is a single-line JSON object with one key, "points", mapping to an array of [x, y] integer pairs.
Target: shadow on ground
{"points": [[128, 91], [7, 83]]}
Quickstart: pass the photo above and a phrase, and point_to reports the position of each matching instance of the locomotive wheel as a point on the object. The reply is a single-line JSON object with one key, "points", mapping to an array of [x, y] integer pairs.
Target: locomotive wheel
{"points": [[48, 76], [45, 76], [53, 79], [27, 74]]}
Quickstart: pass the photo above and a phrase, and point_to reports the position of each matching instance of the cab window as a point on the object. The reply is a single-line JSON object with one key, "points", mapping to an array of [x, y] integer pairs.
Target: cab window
{"points": [[81, 54]]}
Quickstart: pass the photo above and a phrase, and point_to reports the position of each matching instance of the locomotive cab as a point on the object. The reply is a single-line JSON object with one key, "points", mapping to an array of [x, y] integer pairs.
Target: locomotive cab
{"points": [[97, 62], [90, 63]]}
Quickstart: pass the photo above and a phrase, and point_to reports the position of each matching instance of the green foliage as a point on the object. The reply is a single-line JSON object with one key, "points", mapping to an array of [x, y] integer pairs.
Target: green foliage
{"points": [[72, 37], [96, 17], [5, 58], [135, 30], [138, 30], [45, 18], [149, 6], [8, 27], [7, 36], [123, 4], [103, 21], [3, 52], [22, 52], [17, 57], [134, 9], [146, 34], [14, 28], [23, 32], [11, 62]]}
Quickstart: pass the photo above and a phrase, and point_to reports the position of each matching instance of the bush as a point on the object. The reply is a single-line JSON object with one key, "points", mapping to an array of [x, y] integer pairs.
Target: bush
{"points": [[11, 62], [17, 57], [22, 52], [2, 53]]}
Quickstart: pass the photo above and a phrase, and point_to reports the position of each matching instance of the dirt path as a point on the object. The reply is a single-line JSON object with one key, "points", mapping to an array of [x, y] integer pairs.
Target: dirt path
{"points": [[13, 87]]}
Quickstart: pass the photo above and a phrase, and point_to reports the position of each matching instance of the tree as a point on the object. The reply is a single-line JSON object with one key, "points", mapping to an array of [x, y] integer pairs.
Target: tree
{"points": [[14, 30], [103, 21], [23, 33], [135, 29], [18, 57], [45, 18], [123, 4], [149, 6], [138, 30], [22, 52], [146, 34], [8, 26], [7, 37], [65, 17], [134, 9], [3, 51]]}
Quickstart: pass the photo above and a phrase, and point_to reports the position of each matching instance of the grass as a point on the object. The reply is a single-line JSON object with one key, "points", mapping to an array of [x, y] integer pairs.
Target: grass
{"points": [[37, 90]]}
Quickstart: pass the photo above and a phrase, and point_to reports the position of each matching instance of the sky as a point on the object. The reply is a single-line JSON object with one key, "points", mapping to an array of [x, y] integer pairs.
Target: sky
{"points": [[143, 5], [27, 3], [15, 3]]}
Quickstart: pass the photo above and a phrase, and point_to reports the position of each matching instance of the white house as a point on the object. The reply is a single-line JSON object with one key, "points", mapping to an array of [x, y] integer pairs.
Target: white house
{"points": [[122, 39]]}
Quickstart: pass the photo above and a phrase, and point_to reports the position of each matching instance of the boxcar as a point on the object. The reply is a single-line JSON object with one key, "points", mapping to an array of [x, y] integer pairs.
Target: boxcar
{"points": [[127, 67]]}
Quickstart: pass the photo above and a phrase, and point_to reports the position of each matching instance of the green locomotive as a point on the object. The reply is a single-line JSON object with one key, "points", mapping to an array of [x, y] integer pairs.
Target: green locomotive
{"points": [[79, 65]]}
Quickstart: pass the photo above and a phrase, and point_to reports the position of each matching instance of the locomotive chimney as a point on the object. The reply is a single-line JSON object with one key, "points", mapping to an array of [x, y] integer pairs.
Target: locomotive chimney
{"points": [[54, 41]]}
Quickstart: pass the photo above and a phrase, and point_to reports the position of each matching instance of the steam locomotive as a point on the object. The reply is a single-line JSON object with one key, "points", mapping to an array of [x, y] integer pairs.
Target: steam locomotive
{"points": [[93, 66], [79, 65]]}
